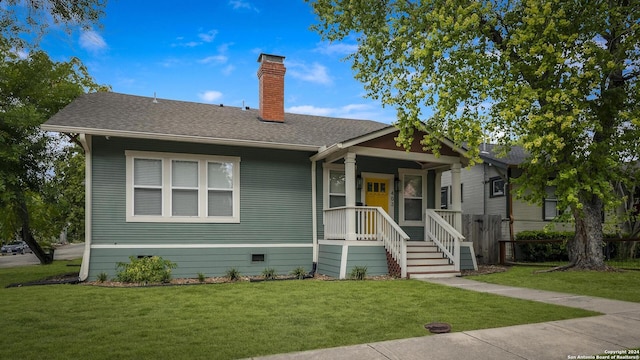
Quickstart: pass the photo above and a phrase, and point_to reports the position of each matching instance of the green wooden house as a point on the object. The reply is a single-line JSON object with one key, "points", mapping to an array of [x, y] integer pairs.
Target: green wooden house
{"points": [[211, 187]]}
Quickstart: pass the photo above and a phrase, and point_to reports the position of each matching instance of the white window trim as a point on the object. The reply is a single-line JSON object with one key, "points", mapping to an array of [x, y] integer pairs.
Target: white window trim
{"points": [[402, 173], [544, 209], [325, 182], [167, 187]]}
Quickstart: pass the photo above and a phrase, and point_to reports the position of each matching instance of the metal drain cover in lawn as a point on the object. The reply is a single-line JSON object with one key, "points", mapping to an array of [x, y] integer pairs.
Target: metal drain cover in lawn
{"points": [[438, 327]]}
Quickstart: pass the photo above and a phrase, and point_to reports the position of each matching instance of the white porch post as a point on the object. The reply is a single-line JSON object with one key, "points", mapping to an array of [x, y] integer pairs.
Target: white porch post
{"points": [[350, 201], [456, 200], [438, 186]]}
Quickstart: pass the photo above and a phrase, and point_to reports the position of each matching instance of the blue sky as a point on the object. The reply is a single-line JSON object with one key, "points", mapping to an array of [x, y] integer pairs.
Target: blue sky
{"points": [[206, 51]]}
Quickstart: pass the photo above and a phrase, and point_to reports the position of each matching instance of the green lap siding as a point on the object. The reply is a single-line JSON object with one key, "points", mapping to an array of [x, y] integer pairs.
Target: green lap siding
{"points": [[275, 207], [329, 258], [466, 262], [209, 261], [373, 257], [275, 200]]}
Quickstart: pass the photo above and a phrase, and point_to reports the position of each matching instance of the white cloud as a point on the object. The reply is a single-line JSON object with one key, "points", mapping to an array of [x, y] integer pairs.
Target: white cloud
{"points": [[239, 4], [210, 96], [208, 36], [92, 41], [214, 59], [228, 69], [351, 111], [328, 48], [311, 110], [314, 73]]}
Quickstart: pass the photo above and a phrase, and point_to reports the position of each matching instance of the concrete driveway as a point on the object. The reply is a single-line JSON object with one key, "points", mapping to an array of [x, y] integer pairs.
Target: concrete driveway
{"points": [[65, 252]]}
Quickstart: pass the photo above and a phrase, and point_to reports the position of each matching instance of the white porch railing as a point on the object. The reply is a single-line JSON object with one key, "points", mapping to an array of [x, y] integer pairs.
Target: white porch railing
{"points": [[453, 217], [442, 232], [372, 224]]}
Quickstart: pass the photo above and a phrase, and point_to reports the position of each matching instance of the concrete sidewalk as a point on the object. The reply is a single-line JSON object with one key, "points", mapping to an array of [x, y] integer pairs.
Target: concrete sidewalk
{"points": [[618, 329]]}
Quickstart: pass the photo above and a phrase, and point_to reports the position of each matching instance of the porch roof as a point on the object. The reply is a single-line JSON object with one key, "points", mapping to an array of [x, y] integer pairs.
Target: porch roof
{"points": [[381, 143]]}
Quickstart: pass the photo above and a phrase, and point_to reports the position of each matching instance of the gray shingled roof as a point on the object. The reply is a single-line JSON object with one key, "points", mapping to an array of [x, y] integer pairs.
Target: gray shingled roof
{"points": [[107, 111], [489, 152]]}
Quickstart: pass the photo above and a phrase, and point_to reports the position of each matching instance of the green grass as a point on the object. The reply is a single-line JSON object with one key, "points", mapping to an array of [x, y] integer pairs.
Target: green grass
{"points": [[624, 285], [227, 321]]}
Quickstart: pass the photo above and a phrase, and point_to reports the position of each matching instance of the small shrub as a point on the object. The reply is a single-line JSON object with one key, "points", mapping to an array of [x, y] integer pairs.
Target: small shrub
{"points": [[269, 273], [201, 277], [233, 274], [358, 272], [299, 273], [152, 269], [102, 277]]}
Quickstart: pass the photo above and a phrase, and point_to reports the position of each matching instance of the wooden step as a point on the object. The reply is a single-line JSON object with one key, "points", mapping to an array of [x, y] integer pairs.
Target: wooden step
{"points": [[425, 255], [427, 261], [432, 274]]}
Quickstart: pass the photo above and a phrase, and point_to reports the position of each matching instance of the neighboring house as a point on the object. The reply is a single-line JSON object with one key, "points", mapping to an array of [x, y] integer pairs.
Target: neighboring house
{"points": [[487, 190], [214, 187]]}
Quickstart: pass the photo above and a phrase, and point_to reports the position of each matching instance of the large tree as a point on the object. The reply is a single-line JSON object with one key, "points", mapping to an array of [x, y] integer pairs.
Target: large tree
{"points": [[32, 88], [31, 91], [23, 23], [555, 76]]}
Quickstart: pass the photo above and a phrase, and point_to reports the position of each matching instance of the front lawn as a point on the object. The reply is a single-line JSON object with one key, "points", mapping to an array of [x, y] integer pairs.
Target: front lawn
{"points": [[227, 321], [622, 285]]}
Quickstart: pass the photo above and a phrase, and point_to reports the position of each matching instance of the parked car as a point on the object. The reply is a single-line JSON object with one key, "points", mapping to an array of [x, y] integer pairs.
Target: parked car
{"points": [[16, 247]]}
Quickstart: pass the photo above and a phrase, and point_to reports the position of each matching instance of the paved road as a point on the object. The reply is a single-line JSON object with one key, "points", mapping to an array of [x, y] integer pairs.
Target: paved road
{"points": [[65, 252]]}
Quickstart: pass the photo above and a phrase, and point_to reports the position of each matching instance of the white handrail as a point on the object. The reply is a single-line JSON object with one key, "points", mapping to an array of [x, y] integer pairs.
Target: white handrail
{"points": [[444, 235], [372, 224]]}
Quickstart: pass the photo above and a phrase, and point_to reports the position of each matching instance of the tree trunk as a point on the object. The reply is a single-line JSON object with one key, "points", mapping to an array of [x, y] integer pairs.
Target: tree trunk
{"points": [[585, 249], [27, 236]]}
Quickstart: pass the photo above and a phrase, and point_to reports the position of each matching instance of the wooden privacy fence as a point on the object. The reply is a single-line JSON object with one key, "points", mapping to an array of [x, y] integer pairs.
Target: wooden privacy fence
{"points": [[484, 231]]}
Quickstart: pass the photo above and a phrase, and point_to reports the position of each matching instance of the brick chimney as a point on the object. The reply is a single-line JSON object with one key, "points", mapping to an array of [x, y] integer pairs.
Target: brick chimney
{"points": [[271, 78]]}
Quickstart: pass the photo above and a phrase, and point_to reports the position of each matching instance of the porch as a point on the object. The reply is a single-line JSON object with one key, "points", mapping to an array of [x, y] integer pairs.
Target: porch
{"points": [[384, 203], [442, 252]]}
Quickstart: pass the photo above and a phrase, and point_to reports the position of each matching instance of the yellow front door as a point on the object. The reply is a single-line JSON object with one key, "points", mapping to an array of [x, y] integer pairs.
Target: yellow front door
{"points": [[377, 193]]}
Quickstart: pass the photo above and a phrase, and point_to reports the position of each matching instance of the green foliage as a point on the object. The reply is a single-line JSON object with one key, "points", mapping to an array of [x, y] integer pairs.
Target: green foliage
{"points": [[32, 89], [358, 273], [102, 277], [559, 78], [24, 23], [544, 251], [299, 272], [269, 273], [152, 269], [233, 274], [201, 277]]}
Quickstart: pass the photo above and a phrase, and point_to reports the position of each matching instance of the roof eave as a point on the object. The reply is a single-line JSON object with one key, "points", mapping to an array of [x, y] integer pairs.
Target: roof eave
{"points": [[185, 138], [324, 151]]}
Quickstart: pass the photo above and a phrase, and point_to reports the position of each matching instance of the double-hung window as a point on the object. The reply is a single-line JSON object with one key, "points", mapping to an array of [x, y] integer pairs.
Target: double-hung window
{"points": [[166, 187], [337, 188], [412, 197]]}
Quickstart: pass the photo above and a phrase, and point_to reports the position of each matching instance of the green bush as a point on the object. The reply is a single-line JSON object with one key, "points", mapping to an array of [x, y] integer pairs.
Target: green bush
{"points": [[233, 274], [544, 251], [201, 277], [358, 272], [102, 277], [269, 273], [152, 269], [299, 273]]}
